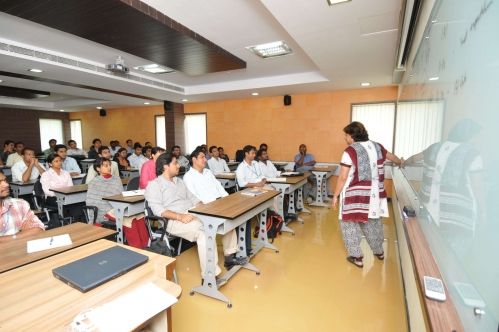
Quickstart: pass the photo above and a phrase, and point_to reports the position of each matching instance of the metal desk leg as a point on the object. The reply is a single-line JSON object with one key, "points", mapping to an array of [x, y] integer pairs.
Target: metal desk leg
{"points": [[299, 202], [60, 205], [321, 178], [262, 240], [15, 191], [120, 212], [291, 206]]}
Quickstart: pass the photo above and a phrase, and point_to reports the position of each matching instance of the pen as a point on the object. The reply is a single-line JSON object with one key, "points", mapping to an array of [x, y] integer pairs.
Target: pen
{"points": [[51, 240]]}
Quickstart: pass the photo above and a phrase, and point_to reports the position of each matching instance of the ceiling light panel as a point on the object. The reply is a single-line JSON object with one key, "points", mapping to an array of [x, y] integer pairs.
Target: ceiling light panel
{"points": [[154, 69], [335, 2], [270, 50]]}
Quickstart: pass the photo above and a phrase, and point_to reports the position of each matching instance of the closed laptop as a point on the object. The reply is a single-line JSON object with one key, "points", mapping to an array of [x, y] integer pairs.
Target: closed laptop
{"points": [[94, 270]]}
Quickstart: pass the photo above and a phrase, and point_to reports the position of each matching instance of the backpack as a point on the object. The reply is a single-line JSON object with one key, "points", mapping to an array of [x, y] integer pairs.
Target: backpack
{"points": [[274, 226]]}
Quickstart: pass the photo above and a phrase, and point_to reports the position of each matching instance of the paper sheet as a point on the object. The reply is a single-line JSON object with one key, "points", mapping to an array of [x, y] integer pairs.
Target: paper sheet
{"points": [[276, 180], [134, 193], [48, 243]]}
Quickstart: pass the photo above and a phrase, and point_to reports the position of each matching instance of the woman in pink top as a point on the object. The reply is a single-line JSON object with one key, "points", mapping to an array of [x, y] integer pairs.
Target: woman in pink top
{"points": [[148, 170], [55, 177]]}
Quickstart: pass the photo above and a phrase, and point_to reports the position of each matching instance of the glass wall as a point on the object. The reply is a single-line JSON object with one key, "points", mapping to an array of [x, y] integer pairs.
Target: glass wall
{"points": [[457, 179]]}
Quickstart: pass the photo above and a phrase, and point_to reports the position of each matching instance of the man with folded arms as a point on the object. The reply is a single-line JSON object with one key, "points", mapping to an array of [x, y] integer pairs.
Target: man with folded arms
{"points": [[28, 168]]}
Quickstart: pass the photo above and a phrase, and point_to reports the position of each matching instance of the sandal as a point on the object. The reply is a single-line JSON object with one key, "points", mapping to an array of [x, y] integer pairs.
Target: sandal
{"points": [[380, 256], [357, 261]]}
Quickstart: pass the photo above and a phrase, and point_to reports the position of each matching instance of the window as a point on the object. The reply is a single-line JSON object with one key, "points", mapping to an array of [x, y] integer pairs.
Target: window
{"points": [[160, 131], [379, 120], [75, 126], [195, 130], [419, 124], [50, 128]]}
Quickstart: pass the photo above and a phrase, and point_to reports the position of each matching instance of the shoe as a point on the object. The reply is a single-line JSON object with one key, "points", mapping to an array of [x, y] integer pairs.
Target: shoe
{"points": [[357, 261], [232, 260], [380, 256], [309, 200]]}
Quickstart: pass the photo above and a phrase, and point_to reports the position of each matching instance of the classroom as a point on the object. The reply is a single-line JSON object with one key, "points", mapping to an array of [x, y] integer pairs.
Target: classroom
{"points": [[324, 165]]}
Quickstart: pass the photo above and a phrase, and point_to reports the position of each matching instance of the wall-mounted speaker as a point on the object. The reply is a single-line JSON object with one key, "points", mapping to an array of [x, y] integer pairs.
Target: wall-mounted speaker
{"points": [[102, 112], [287, 100]]}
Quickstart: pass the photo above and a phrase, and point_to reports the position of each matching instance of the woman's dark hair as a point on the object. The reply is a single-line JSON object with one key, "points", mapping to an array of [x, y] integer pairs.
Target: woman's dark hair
{"points": [[102, 148], [120, 150], [96, 140], [51, 158], [357, 131], [157, 149], [164, 159], [98, 163], [195, 153]]}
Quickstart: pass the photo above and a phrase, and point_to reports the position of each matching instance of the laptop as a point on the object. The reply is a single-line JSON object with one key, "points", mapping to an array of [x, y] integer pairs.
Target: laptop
{"points": [[94, 270]]}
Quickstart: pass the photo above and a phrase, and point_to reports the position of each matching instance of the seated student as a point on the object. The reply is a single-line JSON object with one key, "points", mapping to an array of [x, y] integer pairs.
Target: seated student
{"points": [[103, 185], [114, 146], [148, 171], [205, 150], [202, 183], [217, 164], [147, 152], [168, 197], [28, 168], [222, 154], [182, 161], [137, 159], [8, 148], [73, 149], [120, 158], [93, 153], [268, 169], [305, 162], [16, 219], [129, 146], [103, 153], [17, 155], [68, 164], [148, 144], [51, 149], [54, 177], [264, 146]]}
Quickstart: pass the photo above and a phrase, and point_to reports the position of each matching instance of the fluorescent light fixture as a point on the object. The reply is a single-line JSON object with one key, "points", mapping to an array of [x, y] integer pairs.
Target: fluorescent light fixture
{"points": [[1, 81], [61, 110], [99, 107], [434, 21], [154, 69], [427, 37], [365, 84], [435, 78], [255, 94], [184, 100], [270, 50], [335, 2], [34, 70], [147, 103]]}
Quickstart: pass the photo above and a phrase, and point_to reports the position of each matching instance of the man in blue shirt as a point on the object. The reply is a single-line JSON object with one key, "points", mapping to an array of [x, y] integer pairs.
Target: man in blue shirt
{"points": [[68, 164], [305, 162]]}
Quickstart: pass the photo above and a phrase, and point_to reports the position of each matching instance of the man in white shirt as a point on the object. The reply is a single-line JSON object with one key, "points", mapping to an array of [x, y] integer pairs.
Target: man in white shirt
{"points": [[104, 153], [268, 169], [137, 159], [28, 168], [182, 161], [114, 146], [68, 164], [217, 164], [129, 146], [202, 183], [73, 149], [17, 155]]}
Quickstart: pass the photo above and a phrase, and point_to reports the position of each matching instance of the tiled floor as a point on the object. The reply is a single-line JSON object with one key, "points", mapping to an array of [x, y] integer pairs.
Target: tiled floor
{"points": [[307, 286]]}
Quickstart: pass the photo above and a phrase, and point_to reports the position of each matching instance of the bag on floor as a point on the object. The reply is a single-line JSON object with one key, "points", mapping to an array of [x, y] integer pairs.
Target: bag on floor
{"points": [[274, 226], [137, 236]]}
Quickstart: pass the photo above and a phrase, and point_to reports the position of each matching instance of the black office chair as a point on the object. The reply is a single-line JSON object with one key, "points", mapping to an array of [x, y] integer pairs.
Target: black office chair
{"points": [[239, 155], [50, 212], [156, 232], [133, 183]]}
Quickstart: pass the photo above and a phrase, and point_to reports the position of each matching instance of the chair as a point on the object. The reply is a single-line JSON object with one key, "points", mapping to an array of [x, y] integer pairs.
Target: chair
{"points": [[40, 201], [239, 156], [133, 183], [149, 216]]}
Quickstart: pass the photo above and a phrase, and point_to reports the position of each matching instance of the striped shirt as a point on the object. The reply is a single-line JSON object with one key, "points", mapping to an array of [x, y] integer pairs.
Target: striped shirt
{"points": [[15, 215]]}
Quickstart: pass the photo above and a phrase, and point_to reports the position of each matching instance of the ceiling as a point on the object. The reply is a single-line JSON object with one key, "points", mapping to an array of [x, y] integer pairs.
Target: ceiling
{"points": [[334, 48]]}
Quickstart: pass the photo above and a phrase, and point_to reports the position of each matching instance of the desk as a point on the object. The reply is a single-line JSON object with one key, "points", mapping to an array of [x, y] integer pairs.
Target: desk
{"points": [[6, 170], [321, 176], [228, 180], [293, 184], [69, 195], [85, 164], [222, 216], [44, 303], [22, 188], [131, 173], [125, 207], [78, 179], [14, 252], [232, 165]]}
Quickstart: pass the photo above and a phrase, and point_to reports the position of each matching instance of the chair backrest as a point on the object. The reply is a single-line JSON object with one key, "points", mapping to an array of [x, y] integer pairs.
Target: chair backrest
{"points": [[38, 189], [133, 184], [239, 155]]}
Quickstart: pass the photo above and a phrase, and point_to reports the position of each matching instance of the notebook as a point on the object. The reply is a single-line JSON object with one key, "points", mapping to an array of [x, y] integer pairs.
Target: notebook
{"points": [[94, 270], [291, 174]]}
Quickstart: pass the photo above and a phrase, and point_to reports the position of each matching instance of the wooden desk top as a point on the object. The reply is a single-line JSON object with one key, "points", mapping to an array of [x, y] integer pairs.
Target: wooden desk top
{"points": [[76, 189], [280, 163], [324, 168], [122, 199], [226, 176], [87, 161], [4, 167], [14, 252], [293, 179], [232, 206], [44, 303], [20, 183]]}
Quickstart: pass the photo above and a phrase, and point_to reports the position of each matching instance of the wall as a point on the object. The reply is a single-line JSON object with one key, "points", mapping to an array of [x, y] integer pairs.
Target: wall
{"points": [[23, 125], [136, 123], [314, 119]]}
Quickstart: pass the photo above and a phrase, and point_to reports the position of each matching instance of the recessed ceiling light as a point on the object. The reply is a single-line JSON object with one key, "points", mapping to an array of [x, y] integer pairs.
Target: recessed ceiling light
{"points": [[335, 2], [269, 50], [147, 103], [154, 69], [435, 78], [99, 107], [34, 70], [255, 94], [61, 110], [1, 81], [427, 37], [365, 84], [434, 21], [184, 100]]}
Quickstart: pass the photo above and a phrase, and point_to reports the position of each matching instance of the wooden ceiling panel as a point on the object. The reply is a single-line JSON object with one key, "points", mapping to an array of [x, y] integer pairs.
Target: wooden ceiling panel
{"points": [[130, 26]]}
